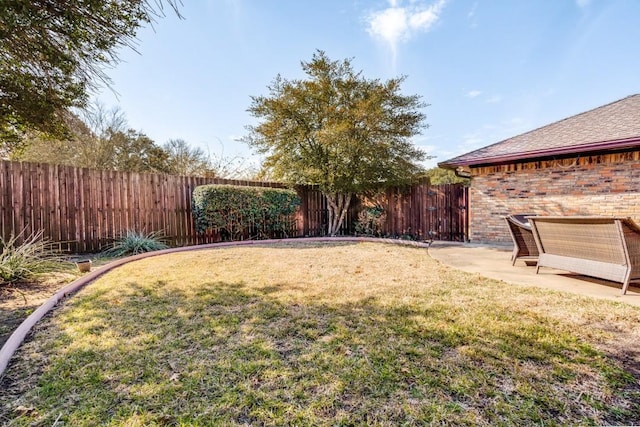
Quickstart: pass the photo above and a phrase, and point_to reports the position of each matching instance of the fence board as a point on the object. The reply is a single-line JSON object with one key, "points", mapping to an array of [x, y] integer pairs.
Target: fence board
{"points": [[5, 201]]}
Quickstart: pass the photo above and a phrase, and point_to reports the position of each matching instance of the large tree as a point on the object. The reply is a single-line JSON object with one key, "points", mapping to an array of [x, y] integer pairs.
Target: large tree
{"points": [[186, 160], [338, 130], [100, 139], [53, 51], [439, 176]]}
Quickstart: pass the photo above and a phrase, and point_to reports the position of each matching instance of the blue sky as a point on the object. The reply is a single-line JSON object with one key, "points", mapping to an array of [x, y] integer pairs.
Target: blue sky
{"points": [[489, 69]]}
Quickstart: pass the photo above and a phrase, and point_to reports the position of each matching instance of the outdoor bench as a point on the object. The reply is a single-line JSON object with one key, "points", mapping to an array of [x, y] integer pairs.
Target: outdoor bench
{"points": [[603, 247]]}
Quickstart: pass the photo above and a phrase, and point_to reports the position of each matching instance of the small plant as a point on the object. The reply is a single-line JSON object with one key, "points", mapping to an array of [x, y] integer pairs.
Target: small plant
{"points": [[370, 221], [134, 242], [34, 256]]}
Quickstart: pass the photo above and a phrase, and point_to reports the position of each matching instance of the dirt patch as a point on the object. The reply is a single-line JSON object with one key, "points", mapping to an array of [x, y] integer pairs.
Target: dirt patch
{"points": [[19, 300], [625, 348]]}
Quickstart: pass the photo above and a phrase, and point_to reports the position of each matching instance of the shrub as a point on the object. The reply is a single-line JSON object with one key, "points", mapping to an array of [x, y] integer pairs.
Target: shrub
{"points": [[370, 221], [34, 256], [136, 242], [237, 211]]}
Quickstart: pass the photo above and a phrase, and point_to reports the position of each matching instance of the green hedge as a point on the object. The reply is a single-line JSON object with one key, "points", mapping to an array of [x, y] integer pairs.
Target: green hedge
{"points": [[244, 212]]}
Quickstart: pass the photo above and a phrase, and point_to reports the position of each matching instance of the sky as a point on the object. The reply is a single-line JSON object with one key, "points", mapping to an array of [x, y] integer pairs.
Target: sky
{"points": [[488, 69]]}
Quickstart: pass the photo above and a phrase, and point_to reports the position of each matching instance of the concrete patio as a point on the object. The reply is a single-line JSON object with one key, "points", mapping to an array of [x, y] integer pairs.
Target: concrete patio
{"points": [[494, 262]]}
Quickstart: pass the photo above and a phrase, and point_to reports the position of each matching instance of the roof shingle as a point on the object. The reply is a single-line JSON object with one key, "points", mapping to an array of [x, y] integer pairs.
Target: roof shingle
{"points": [[615, 125]]}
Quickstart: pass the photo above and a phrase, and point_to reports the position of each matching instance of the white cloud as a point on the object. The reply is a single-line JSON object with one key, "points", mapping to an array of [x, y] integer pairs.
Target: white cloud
{"points": [[489, 99], [398, 24], [472, 12], [389, 25], [583, 3], [471, 16], [471, 141], [423, 20]]}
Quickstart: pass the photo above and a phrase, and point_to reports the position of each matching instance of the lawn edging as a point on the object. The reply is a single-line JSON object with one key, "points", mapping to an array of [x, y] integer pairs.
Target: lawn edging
{"points": [[18, 336]]}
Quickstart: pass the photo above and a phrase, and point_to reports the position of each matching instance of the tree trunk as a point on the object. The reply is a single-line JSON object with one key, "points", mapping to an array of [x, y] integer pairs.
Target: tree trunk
{"points": [[338, 206]]}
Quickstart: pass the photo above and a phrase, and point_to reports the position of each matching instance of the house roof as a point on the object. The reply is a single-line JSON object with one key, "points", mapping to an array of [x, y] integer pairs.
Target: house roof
{"points": [[610, 127]]}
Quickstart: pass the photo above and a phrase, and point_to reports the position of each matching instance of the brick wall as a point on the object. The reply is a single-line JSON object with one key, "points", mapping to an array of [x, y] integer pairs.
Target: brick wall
{"points": [[594, 185]]}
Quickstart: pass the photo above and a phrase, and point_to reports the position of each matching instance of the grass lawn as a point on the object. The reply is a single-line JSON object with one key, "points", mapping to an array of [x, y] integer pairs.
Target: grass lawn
{"points": [[324, 334]]}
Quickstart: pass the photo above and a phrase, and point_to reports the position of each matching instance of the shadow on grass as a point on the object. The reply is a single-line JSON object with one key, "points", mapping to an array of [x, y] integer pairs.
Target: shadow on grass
{"points": [[228, 354]]}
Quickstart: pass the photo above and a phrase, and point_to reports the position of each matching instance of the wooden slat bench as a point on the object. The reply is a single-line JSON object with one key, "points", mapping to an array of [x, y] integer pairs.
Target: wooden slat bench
{"points": [[603, 247]]}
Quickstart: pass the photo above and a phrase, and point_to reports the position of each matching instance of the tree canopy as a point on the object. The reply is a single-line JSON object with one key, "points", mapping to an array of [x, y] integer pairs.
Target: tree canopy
{"points": [[439, 176], [54, 51], [338, 130], [186, 160], [100, 138]]}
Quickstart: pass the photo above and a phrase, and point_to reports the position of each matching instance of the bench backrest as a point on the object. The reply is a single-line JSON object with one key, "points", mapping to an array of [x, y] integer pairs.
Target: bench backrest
{"points": [[589, 238]]}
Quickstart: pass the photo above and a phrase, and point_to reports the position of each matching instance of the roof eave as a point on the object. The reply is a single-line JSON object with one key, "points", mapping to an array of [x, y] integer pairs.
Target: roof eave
{"points": [[617, 144]]}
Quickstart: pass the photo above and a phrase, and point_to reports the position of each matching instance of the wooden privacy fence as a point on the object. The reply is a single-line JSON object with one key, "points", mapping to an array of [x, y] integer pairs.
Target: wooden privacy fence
{"points": [[422, 212], [428, 212], [83, 210]]}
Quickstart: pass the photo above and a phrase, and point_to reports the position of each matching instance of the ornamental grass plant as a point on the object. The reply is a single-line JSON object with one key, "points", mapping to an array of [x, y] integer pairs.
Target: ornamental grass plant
{"points": [[34, 255], [134, 242]]}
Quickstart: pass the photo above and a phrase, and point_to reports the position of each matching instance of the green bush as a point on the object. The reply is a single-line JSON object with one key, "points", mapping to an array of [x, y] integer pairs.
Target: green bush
{"points": [[136, 242], [244, 211], [32, 257]]}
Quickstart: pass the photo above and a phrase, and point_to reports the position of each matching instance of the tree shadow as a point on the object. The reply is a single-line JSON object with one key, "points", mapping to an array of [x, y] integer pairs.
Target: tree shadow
{"points": [[232, 354]]}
